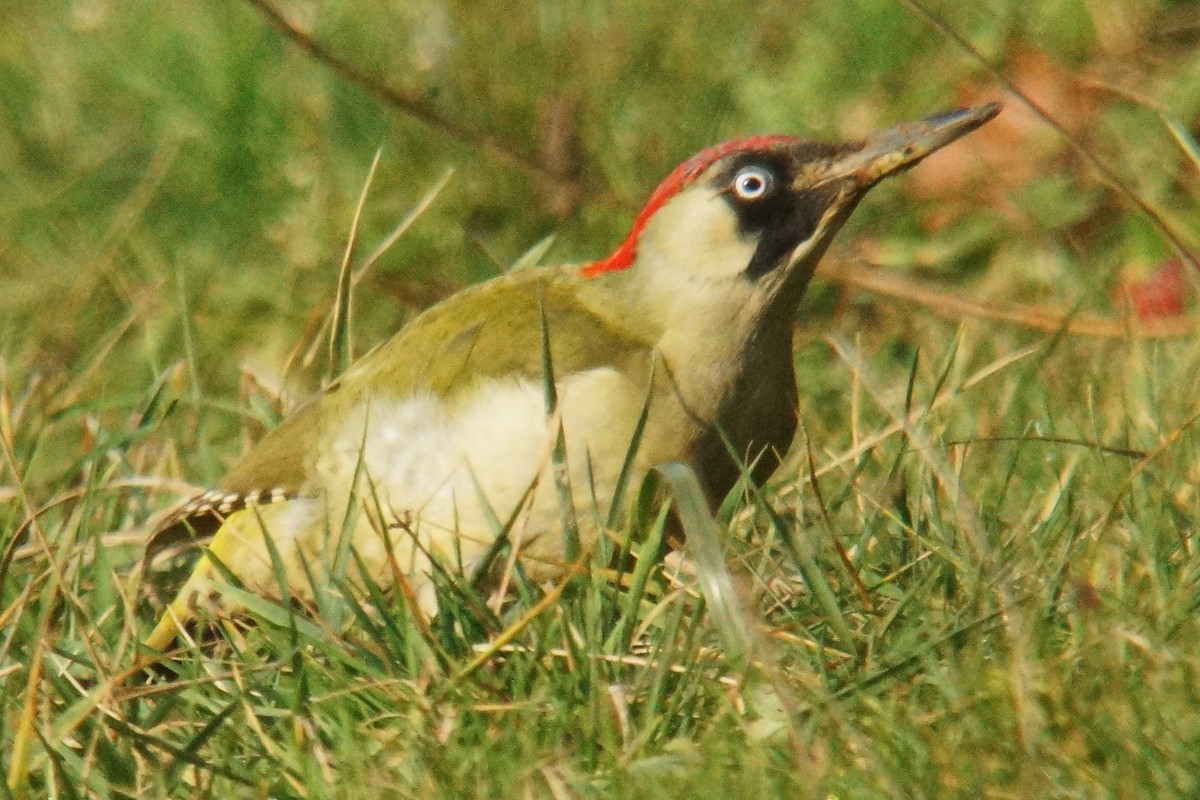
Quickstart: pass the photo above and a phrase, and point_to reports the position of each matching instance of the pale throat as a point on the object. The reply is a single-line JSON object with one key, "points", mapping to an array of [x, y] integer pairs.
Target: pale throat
{"points": [[691, 276]]}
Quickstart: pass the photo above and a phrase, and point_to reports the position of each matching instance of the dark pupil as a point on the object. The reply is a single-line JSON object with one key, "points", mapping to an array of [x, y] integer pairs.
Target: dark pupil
{"points": [[751, 184]]}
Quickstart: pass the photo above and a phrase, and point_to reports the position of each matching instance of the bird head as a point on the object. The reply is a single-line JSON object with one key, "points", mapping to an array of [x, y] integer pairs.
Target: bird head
{"points": [[750, 218]]}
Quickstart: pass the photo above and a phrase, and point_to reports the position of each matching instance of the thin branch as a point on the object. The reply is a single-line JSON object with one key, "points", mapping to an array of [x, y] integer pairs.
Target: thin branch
{"points": [[1126, 452], [952, 306], [1122, 188], [412, 106]]}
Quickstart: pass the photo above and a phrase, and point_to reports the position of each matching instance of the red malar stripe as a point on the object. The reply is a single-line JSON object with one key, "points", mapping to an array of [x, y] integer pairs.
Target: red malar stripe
{"points": [[684, 175]]}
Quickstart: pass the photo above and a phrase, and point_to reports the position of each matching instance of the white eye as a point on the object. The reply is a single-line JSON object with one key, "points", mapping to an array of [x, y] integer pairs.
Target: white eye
{"points": [[751, 183]]}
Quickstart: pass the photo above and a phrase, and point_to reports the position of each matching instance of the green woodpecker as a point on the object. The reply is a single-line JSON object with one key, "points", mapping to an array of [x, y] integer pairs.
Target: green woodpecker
{"points": [[421, 445]]}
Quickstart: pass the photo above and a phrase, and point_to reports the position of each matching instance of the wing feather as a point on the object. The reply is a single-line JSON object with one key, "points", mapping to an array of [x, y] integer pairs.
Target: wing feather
{"points": [[492, 330]]}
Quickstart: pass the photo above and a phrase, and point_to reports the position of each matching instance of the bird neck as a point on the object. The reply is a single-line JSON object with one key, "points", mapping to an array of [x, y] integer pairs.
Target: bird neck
{"points": [[704, 330]]}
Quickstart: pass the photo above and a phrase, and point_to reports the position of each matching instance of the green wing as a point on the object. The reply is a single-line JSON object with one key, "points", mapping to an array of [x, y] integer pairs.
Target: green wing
{"points": [[487, 331]]}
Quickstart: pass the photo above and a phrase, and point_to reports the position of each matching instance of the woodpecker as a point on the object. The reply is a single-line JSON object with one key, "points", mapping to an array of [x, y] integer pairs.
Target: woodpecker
{"points": [[413, 454]]}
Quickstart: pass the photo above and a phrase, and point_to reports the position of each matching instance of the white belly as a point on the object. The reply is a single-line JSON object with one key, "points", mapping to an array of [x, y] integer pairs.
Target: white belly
{"points": [[434, 477]]}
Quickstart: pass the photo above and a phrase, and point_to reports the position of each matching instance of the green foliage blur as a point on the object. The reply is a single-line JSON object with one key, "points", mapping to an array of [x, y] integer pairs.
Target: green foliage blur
{"points": [[154, 156], [178, 183]]}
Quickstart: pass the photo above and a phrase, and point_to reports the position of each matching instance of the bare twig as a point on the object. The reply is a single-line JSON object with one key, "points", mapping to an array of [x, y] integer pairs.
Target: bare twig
{"points": [[411, 106], [1050, 320], [1108, 173]]}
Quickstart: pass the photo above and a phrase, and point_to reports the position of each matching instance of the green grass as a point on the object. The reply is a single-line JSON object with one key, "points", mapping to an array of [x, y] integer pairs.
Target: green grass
{"points": [[1015, 615]]}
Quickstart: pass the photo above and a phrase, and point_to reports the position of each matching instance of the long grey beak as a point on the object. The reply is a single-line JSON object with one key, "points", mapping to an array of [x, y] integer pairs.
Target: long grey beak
{"points": [[898, 148]]}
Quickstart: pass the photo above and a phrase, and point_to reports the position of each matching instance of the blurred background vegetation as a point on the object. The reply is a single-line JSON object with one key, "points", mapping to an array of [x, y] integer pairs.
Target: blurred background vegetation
{"points": [[178, 182], [169, 168]]}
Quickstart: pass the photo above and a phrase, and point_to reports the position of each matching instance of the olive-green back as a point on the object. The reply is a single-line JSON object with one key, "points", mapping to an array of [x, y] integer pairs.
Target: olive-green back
{"points": [[493, 330]]}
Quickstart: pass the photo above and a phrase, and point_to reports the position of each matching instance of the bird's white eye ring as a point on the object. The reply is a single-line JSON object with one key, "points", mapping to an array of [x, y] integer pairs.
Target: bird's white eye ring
{"points": [[751, 183]]}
